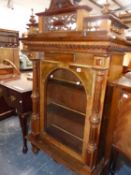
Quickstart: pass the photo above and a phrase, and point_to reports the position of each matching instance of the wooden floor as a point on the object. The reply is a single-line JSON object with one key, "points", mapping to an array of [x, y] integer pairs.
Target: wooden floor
{"points": [[14, 162]]}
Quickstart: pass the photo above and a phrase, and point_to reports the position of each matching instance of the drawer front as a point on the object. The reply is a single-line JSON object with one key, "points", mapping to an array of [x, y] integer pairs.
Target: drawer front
{"points": [[20, 101]]}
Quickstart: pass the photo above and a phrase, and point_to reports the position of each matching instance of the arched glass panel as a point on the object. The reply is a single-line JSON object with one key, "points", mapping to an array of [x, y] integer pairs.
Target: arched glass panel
{"points": [[66, 108]]}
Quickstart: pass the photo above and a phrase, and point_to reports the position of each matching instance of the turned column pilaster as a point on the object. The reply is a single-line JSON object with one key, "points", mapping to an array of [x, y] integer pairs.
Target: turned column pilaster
{"points": [[101, 69], [35, 57]]}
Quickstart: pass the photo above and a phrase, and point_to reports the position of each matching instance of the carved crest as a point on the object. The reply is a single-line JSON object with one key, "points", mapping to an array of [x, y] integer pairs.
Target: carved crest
{"points": [[58, 4]]}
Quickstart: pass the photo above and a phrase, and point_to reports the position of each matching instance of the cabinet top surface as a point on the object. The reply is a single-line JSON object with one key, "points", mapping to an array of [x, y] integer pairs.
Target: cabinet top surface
{"points": [[124, 81]]}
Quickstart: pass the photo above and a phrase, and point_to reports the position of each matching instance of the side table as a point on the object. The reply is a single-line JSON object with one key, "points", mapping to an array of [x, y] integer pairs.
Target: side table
{"points": [[17, 94]]}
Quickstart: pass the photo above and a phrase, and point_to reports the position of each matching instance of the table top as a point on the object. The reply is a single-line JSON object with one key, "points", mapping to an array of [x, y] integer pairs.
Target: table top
{"points": [[21, 84]]}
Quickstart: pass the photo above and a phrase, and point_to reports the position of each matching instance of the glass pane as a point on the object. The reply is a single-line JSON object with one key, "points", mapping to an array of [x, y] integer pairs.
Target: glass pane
{"points": [[66, 108]]}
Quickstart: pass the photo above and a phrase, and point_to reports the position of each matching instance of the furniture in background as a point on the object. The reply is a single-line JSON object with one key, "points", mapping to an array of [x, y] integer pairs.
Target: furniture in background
{"points": [[75, 59], [9, 42], [9, 63], [17, 94], [127, 63], [25, 63], [5, 110], [119, 142]]}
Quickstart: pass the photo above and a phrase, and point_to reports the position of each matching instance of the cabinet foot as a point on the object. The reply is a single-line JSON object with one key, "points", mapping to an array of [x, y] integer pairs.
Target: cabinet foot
{"points": [[35, 150]]}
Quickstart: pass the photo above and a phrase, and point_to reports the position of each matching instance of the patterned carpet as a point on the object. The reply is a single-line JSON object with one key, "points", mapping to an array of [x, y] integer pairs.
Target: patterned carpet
{"points": [[14, 162], [123, 166]]}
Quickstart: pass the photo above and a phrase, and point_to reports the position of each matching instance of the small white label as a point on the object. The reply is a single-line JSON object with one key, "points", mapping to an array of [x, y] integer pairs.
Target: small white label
{"points": [[51, 76], [125, 95], [78, 83], [78, 69]]}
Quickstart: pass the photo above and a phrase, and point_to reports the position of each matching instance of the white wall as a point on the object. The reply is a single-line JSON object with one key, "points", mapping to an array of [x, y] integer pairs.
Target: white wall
{"points": [[17, 18]]}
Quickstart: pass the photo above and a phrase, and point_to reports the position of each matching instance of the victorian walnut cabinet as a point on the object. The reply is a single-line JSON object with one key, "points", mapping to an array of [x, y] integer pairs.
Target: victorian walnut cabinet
{"points": [[75, 58]]}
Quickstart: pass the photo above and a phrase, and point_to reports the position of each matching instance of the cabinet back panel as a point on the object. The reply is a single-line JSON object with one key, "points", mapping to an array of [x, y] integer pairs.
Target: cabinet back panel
{"points": [[74, 98], [69, 121]]}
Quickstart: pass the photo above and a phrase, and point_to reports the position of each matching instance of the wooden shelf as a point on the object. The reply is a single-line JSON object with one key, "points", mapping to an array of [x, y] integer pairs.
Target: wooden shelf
{"points": [[66, 112], [67, 108], [76, 84], [65, 137], [65, 125], [66, 94]]}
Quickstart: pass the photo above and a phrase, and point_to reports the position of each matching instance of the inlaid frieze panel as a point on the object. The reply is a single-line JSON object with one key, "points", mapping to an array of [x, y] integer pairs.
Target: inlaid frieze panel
{"points": [[61, 22]]}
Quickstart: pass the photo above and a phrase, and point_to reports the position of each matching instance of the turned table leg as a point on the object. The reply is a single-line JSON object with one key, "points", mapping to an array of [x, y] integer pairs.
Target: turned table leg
{"points": [[24, 127]]}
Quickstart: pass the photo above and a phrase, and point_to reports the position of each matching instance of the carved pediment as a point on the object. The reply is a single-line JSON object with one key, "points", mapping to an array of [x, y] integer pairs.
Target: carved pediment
{"points": [[59, 4], [62, 6]]}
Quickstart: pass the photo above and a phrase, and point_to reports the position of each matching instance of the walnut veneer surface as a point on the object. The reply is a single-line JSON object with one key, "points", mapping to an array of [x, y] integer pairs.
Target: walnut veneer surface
{"points": [[119, 130], [122, 133], [74, 65]]}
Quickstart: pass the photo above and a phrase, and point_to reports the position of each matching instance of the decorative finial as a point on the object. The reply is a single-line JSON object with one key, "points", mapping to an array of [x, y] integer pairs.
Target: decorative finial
{"points": [[106, 9], [32, 17], [32, 10], [76, 1], [10, 4]]}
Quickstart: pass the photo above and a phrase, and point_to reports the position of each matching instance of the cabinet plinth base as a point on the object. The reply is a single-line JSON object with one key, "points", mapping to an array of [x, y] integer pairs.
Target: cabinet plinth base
{"points": [[77, 166]]}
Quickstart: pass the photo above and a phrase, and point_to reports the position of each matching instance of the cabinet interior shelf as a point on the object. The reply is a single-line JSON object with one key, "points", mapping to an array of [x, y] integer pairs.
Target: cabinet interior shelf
{"points": [[76, 84], [65, 137], [63, 107], [65, 125]]}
